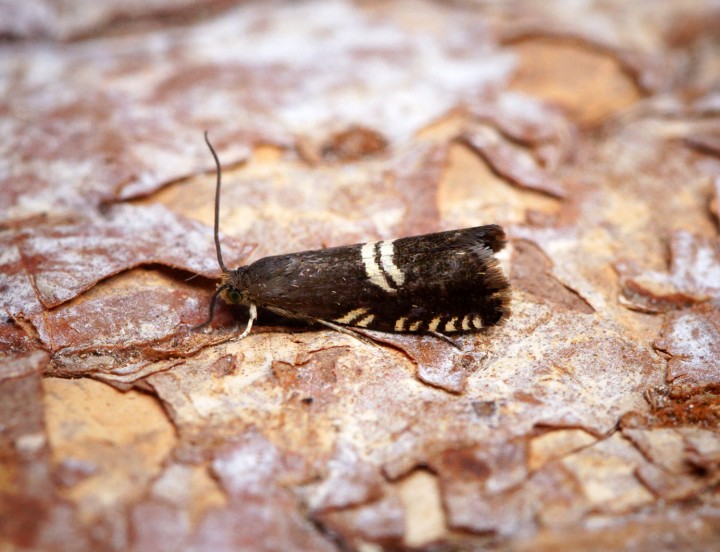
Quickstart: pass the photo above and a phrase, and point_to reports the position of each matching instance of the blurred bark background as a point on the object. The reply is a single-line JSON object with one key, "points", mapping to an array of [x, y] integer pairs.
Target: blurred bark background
{"points": [[589, 130]]}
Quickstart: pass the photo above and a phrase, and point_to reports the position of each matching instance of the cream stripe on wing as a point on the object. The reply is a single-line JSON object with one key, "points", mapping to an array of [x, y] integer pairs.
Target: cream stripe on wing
{"points": [[450, 326], [365, 321], [352, 315], [477, 322], [400, 324], [372, 270], [434, 324], [466, 322], [415, 326], [387, 259]]}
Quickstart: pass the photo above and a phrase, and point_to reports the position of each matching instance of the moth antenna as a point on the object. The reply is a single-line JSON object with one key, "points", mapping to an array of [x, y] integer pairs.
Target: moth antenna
{"points": [[218, 171]]}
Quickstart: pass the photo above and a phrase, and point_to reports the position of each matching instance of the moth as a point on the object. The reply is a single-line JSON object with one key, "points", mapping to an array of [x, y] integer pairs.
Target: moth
{"points": [[442, 283]]}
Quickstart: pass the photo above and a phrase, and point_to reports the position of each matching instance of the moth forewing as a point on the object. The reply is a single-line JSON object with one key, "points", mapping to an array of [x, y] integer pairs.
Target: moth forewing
{"points": [[440, 283], [447, 282]]}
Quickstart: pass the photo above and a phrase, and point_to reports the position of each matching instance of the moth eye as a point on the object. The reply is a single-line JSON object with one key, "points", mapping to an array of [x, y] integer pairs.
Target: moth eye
{"points": [[234, 296]]}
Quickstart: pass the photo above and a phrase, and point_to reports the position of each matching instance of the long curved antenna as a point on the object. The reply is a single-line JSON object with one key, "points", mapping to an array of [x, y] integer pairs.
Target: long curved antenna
{"points": [[218, 171]]}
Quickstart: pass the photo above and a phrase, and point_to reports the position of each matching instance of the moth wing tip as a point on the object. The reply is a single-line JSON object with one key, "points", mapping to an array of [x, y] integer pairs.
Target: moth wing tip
{"points": [[496, 239]]}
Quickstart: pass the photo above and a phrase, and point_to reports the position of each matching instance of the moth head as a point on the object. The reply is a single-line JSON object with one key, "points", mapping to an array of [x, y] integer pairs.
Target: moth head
{"points": [[233, 288]]}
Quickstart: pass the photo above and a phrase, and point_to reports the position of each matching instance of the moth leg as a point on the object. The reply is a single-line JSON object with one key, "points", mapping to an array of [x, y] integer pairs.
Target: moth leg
{"points": [[347, 331], [251, 319], [446, 339], [213, 300]]}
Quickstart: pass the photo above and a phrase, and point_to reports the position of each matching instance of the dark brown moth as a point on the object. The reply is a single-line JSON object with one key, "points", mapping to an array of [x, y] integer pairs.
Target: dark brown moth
{"points": [[442, 283]]}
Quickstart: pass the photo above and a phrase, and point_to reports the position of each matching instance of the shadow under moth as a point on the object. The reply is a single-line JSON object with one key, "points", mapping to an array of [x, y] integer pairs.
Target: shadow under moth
{"points": [[440, 284]]}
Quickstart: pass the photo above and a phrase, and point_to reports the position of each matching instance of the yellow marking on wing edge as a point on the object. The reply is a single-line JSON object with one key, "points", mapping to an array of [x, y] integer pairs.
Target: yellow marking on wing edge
{"points": [[415, 326], [372, 270], [365, 321], [387, 258], [400, 324], [434, 324], [477, 322], [352, 315], [466, 322], [450, 326]]}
